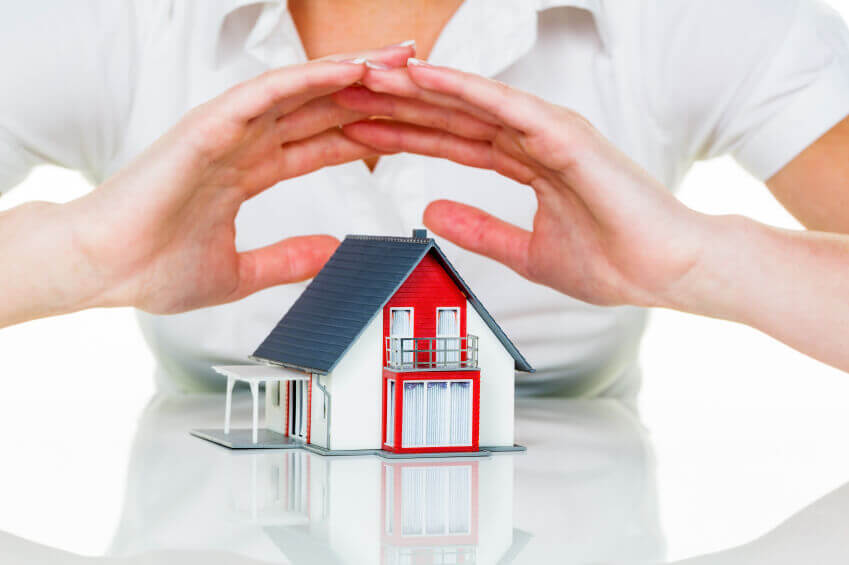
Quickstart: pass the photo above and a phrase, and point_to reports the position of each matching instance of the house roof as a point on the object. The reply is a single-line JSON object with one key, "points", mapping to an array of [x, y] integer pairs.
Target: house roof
{"points": [[346, 295]]}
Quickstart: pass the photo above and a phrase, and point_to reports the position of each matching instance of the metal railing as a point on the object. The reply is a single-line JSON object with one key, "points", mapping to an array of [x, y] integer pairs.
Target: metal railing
{"points": [[415, 353]]}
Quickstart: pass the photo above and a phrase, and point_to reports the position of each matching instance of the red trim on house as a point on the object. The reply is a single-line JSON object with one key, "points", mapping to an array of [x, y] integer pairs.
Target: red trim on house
{"points": [[285, 386], [400, 377], [384, 393], [309, 408]]}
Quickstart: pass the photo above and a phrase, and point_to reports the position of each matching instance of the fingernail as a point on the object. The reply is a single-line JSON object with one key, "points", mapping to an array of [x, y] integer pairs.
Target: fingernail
{"points": [[408, 43], [357, 61], [412, 61], [376, 66]]}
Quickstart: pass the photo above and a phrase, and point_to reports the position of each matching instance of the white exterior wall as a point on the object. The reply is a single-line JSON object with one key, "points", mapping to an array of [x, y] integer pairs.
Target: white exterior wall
{"points": [[497, 383], [356, 399], [275, 416]]}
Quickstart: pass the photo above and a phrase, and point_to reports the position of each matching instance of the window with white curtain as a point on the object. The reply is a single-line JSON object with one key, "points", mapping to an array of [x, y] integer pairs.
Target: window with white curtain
{"points": [[447, 326], [437, 413], [401, 326], [436, 501]]}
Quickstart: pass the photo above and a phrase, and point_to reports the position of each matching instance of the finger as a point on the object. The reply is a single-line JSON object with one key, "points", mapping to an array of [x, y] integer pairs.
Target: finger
{"points": [[368, 103], [314, 117], [287, 88], [517, 109], [330, 147], [399, 83], [395, 137], [479, 232], [390, 56], [291, 260]]}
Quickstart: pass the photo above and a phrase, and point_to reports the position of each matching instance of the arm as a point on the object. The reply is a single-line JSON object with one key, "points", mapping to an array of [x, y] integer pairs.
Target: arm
{"points": [[605, 231], [814, 186], [159, 235]]}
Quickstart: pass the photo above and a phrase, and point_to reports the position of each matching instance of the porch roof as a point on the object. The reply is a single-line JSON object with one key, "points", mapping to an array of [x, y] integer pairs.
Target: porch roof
{"points": [[260, 373]]}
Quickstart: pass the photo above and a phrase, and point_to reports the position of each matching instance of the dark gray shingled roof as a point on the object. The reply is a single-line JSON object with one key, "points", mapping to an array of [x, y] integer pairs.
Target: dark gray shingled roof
{"points": [[354, 285]]}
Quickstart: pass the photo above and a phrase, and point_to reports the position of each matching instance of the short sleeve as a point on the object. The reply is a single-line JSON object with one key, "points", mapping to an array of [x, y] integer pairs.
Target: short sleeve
{"points": [[757, 79], [66, 72]]}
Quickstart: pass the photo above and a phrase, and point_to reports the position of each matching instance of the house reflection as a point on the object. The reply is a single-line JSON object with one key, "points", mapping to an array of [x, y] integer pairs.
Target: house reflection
{"points": [[369, 510], [582, 493]]}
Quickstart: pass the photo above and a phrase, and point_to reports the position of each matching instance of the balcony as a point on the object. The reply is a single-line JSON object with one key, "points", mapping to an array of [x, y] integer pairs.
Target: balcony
{"points": [[431, 353]]}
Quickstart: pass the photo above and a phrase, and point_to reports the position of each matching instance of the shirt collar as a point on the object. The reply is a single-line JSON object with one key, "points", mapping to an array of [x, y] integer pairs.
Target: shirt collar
{"points": [[511, 25]]}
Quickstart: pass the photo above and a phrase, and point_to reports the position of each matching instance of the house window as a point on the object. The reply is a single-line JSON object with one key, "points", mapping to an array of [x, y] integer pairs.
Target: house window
{"points": [[275, 394], [401, 326], [436, 501], [447, 326], [437, 413], [390, 411], [298, 406]]}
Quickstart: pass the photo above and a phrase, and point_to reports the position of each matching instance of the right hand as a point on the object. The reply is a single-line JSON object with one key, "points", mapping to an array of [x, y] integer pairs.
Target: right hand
{"points": [[604, 232]]}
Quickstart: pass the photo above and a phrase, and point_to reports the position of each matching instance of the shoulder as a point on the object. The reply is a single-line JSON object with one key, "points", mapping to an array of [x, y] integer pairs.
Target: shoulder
{"points": [[711, 72], [67, 70]]}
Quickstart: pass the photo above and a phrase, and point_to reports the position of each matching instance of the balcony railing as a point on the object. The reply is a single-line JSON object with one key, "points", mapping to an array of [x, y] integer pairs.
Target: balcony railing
{"points": [[417, 353]]}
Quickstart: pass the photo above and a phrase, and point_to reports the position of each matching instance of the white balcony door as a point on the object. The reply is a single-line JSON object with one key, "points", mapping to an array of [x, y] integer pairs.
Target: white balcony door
{"points": [[401, 326], [298, 406], [447, 326]]}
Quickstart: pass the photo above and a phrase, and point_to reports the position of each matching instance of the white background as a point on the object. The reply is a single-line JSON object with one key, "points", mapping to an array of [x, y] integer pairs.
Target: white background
{"points": [[743, 427]]}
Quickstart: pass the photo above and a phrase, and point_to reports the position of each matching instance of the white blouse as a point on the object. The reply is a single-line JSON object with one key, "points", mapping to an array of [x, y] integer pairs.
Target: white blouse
{"points": [[89, 85]]}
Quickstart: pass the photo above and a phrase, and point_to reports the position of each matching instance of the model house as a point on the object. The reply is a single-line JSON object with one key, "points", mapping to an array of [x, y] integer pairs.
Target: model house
{"points": [[386, 351]]}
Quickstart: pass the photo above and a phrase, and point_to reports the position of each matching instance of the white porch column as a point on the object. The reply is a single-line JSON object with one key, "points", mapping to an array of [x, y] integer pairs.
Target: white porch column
{"points": [[229, 404], [255, 395]]}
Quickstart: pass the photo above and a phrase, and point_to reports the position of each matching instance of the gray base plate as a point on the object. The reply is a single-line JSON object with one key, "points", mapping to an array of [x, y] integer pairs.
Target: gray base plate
{"points": [[241, 439], [266, 439]]}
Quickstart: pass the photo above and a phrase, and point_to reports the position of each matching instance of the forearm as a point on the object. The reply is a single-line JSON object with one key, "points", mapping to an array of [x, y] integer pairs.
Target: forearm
{"points": [[792, 285], [44, 273]]}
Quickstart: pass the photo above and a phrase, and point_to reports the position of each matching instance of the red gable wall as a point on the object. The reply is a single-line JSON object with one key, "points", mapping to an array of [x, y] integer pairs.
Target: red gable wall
{"points": [[427, 288]]}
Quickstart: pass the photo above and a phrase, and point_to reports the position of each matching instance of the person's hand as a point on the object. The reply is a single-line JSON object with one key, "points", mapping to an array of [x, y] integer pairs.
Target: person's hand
{"points": [[604, 232], [159, 235]]}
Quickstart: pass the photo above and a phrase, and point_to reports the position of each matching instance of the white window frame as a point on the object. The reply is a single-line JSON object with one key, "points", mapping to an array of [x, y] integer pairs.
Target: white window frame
{"points": [[423, 423], [390, 412], [412, 310], [445, 362]]}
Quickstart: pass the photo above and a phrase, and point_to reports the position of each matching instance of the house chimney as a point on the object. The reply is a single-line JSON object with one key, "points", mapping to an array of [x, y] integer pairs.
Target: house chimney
{"points": [[420, 234]]}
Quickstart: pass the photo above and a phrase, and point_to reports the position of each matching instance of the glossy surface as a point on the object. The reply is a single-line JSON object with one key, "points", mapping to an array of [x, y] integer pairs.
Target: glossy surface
{"points": [[586, 491]]}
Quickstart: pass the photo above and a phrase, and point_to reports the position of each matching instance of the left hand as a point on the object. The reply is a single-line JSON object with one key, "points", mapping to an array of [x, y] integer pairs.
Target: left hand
{"points": [[604, 232]]}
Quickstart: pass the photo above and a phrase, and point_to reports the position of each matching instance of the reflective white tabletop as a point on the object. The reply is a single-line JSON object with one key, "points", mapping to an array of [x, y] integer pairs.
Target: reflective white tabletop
{"points": [[586, 491]]}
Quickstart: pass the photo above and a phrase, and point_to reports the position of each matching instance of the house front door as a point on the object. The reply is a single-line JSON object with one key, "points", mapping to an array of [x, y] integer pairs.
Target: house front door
{"points": [[298, 409]]}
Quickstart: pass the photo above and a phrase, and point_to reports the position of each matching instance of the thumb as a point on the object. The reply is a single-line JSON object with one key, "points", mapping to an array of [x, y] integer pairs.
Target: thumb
{"points": [[287, 261], [477, 231]]}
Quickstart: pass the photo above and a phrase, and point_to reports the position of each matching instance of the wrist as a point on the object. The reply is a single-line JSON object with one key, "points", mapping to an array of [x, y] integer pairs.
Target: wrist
{"points": [[712, 286], [37, 246]]}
